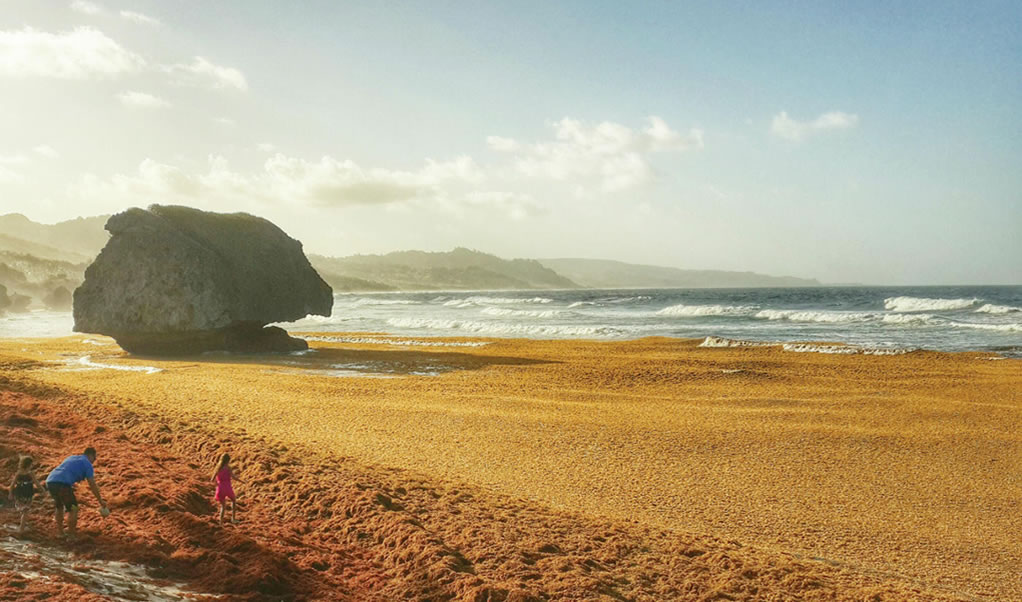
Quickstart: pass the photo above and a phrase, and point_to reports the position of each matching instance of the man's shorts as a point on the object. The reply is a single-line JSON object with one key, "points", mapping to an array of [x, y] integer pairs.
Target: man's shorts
{"points": [[63, 496]]}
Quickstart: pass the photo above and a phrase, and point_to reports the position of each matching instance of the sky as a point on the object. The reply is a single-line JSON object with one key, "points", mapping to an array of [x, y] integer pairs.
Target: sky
{"points": [[867, 142]]}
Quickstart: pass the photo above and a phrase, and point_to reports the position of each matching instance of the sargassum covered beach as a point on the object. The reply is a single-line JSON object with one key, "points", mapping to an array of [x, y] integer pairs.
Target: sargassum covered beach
{"points": [[381, 468]]}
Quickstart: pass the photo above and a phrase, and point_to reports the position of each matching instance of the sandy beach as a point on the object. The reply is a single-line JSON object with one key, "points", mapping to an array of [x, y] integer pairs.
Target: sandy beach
{"points": [[512, 469]]}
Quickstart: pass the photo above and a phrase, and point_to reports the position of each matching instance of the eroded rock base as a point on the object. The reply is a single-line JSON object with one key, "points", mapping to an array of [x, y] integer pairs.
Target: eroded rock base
{"points": [[245, 338]]}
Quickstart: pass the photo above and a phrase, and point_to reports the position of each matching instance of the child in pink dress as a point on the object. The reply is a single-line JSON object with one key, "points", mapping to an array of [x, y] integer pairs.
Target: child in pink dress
{"points": [[224, 490]]}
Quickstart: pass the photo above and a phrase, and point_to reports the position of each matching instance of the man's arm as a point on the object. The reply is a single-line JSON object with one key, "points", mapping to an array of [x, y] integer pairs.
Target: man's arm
{"points": [[95, 491]]}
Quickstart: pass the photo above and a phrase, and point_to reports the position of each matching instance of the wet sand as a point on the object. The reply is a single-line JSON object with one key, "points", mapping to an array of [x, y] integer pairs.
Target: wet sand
{"points": [[681, 472]]}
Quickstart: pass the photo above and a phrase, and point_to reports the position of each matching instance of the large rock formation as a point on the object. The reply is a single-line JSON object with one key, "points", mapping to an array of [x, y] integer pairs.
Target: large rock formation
{"points": [[175, 280]]}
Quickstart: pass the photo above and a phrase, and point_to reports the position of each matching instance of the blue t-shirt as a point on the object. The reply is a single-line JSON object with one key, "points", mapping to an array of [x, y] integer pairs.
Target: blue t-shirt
{"points": [[71, 470]]}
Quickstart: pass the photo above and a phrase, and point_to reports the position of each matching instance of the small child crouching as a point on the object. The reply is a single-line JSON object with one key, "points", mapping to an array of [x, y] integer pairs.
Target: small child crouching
{"points": [[23, 488]]}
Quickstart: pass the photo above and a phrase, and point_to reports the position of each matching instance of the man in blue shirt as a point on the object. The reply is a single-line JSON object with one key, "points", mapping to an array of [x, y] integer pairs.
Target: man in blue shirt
{"points": [[61, 482]]}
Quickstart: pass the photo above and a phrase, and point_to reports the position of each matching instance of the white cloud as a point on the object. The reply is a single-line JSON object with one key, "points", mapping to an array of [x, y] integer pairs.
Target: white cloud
{"points": [[514, 205], [141, 100], [45, 150], [18, 159], [139, 18], [201, 72], [86, 8], [227, 121], [791, 129], [9, 175], [328, 182], [11, 165], [499, 143], [605, 156], [78, 54], [333, 182], [611, 153]]}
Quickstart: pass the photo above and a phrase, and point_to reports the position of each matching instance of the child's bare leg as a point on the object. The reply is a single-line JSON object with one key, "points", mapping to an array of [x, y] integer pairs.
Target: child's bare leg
{"points": [[223, 505], [234, 507], [21, 526]]}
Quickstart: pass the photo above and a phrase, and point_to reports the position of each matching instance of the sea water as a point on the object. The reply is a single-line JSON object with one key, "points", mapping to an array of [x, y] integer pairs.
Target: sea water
{"points": [[944, 318]]}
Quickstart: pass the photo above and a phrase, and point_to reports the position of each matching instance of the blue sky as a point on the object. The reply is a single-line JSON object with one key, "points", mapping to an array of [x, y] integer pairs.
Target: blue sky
{"points": [[850, 143]]}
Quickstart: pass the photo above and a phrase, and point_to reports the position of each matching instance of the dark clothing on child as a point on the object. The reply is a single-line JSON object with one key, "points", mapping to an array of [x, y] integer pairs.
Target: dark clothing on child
{"points": [[24, 488]]}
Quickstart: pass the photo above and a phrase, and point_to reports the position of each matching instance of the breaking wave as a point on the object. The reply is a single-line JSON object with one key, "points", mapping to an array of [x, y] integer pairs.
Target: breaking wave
{"points": [[1014, 327], [998, 309], [696, 311], [482, 300], [906, 304], [826, 317], [522, 313], [499, 328], [913, 319]]}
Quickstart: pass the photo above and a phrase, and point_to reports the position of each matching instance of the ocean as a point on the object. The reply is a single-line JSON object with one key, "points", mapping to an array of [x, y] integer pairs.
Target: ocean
{"points": [[875, 319]]}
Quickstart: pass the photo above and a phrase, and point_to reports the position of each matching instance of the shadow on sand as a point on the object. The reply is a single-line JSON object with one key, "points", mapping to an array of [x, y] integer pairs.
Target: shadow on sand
{"points": [[354, 362]]}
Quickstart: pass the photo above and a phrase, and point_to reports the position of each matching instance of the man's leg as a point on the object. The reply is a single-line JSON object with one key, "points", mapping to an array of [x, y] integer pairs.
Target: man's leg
{"points": [[59, 515], [72, 521]]}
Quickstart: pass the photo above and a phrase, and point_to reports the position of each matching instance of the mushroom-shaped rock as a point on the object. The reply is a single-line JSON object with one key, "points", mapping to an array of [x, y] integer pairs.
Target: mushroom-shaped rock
{"points": [[176, 280]]}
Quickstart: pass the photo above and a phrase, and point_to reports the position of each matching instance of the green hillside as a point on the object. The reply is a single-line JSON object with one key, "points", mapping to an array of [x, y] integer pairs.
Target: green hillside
{"points": [[460, 269]]}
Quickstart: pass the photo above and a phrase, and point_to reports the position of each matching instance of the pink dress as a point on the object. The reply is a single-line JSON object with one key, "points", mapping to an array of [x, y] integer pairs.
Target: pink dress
{"points": [[223, 485]]}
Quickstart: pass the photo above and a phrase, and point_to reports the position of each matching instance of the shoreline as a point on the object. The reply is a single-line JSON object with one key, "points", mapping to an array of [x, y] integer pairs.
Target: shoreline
{"points": [[681, 438]]}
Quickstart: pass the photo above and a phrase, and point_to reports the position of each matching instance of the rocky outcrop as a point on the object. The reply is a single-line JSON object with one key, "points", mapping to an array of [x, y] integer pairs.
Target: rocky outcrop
{"points": [[58, 300], [176, 280], [13, 302]]}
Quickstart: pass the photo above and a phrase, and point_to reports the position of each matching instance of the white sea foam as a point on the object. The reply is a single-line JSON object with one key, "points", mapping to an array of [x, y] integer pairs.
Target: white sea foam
{"points": [[712, 341], [812, 348], [696, 311], [998, 309], [522, 313], [826, 317], [110, 579], [616, 300], [498, 328], [373, 301], [722, 342], [844, 349], [397, 342], [86, 363], [506, 300], [1011, 327], [336, 318], [477, 301], [580, 304], [906, 304], [95, 342], [913, 319], [887, 350]]}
